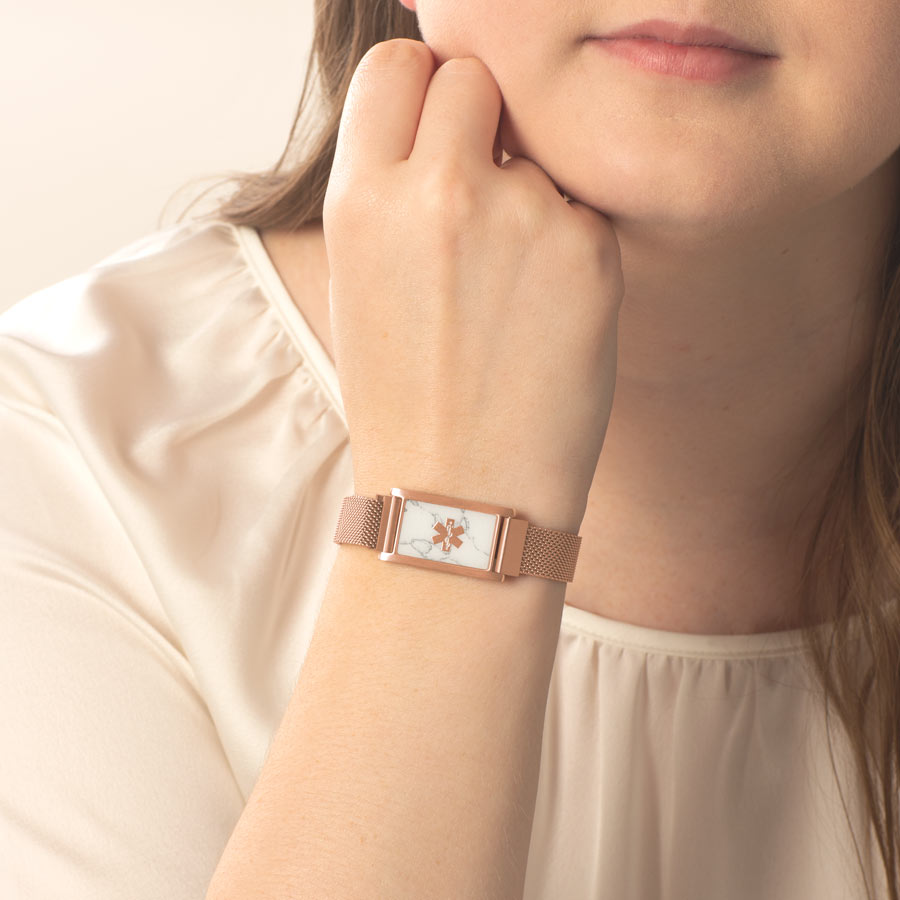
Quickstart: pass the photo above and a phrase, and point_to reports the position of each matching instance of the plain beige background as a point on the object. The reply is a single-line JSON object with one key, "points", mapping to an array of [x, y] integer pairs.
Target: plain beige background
{"points": [[108, 108]]}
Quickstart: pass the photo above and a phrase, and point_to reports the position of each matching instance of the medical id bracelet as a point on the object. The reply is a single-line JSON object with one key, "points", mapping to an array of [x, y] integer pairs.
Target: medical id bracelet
{"points": [[465, 537]]}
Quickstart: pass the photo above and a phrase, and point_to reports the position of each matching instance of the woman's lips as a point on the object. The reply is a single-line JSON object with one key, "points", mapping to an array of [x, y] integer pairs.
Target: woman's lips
{"points": [[695, 33], [683, 60]]}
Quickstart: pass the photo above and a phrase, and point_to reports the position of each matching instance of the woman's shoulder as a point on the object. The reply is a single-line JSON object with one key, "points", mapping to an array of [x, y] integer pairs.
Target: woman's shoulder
{"points": [[172, 387], [145, 292], [179, 374], [194, 303]]}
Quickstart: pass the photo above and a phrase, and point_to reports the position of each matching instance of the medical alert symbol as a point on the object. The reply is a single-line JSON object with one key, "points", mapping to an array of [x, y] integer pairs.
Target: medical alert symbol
{"points": [[447, 534]]}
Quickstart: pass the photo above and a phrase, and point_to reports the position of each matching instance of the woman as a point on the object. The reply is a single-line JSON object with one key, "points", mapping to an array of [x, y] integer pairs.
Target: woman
{"points": [[710, 710]]}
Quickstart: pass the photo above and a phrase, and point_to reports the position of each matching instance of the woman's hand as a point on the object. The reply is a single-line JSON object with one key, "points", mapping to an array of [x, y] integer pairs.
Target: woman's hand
{"points": [[474, 310]]}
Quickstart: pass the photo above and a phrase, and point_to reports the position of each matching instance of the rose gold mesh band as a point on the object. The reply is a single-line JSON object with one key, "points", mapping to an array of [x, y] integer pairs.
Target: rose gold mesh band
{"points": [[547, 553], [358, 521]]}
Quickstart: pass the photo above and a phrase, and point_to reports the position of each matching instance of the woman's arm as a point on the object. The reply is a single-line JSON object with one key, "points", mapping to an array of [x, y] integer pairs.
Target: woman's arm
{"points": [[407, 760]]}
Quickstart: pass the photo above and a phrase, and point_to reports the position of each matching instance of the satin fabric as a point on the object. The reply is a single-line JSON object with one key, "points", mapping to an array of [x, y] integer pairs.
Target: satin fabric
{"points": [[173, 454]]}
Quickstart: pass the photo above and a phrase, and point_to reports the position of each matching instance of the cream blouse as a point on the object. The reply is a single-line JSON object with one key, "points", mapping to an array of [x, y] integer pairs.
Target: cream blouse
{"points": [[173, 454]]}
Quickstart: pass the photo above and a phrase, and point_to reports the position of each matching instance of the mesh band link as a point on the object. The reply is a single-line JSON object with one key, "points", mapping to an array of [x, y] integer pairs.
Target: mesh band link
{"points": [[358, 521], [547, 553]]}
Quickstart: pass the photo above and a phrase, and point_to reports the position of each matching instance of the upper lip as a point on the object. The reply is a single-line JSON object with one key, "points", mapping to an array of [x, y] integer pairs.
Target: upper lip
{"points": [[675, 33]]}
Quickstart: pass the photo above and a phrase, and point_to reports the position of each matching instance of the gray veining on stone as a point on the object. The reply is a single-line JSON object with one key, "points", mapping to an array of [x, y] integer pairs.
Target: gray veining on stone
{"points": [[422, 522]]}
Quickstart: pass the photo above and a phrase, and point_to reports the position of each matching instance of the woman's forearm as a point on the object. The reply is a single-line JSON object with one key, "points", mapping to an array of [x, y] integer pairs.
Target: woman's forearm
{"points": [[406, 763]]}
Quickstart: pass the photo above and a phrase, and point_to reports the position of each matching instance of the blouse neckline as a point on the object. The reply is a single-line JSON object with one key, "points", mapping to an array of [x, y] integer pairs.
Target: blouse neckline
{"points": [[297, 328]]}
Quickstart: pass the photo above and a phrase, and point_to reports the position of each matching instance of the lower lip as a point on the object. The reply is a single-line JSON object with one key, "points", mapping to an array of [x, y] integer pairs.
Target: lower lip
{"points": [[683, 60]]}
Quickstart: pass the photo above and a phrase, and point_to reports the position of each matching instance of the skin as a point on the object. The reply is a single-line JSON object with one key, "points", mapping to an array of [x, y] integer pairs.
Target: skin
{"points": [[752, 216]]}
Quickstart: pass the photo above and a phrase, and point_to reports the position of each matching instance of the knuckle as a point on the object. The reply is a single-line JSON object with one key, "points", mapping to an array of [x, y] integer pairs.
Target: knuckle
{"points": [[586, 241], [597, 237], [449, 194], [473, 72], [531, 216], [397, 52], [464, 64], [529, 210]]}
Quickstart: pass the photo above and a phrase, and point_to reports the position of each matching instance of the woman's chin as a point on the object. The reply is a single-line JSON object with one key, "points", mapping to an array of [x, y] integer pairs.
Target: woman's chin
{"points": [[682, 213]]}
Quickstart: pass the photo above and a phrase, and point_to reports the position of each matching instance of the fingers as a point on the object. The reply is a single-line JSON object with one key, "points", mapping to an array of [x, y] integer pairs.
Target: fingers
{"points": [[383, 104], [461, 113]]}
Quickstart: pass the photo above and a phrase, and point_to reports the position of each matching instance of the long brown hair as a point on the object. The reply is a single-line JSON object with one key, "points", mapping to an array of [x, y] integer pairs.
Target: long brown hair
{"points": [[857, 530]]}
